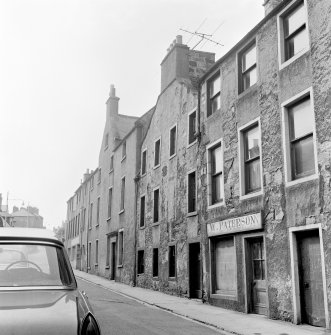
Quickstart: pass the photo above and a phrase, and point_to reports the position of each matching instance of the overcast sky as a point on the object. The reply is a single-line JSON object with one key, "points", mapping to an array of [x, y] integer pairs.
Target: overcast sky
{"points": [[57, 61]]}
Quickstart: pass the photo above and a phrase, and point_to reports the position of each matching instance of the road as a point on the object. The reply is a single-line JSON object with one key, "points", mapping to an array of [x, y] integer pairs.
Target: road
{"points": [[119, 315]]}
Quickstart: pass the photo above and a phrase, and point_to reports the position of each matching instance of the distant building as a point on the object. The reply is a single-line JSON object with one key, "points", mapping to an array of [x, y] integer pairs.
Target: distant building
{"points": [[27, 217], [6, 219]]}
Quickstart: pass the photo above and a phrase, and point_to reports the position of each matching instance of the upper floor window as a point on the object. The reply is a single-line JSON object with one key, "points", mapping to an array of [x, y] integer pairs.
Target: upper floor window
{"points": [[122, 194], [173, 139], [143, 162], [247, 68], [99, 176], [142, 212], [156, 206], [299, 131], [91, 216], [157, 153], [106, 141], [192, 192], [111, 165], [192, 127], [123, 149], [92, 182], [214, 95], [98, 212], [250, 153], [215, 169], [110, 199]]}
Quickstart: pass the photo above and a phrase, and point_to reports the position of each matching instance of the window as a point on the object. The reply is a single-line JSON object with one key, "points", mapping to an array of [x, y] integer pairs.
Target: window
{"points": [[214, 95], [295, 31], [142, 211], [156, 206], [191, 192], [99, 176], [120, 248], [92, 182], [141, 262], [122, 194], [96, 252], [250, 158], [300, 139], [143, 162], [225, 267], [192, 127], [91, 216], [98, 212], [106, 141], [123, 149], [215, 173], [173, 138], [157, 146], [110, 199], [247, 68], [155, 262], [89, 254], [111, 167], [172, 261], [83, 218]]}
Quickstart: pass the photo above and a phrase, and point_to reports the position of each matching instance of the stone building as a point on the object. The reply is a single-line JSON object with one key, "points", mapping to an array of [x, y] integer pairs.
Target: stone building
{"points": [[27, 217], [264, 168], [168, 230]]}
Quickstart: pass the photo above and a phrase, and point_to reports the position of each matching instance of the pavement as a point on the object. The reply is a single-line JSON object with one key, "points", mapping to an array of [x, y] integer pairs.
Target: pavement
{"points": [[225, 320]]}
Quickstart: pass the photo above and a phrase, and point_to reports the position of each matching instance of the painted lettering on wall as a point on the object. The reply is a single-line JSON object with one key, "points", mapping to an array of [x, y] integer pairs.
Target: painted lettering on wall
{"points": [[229, 226]]}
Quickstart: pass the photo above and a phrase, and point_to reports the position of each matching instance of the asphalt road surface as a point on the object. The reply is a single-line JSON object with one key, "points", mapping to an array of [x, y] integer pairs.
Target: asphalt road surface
{"points": [[118, 315]]}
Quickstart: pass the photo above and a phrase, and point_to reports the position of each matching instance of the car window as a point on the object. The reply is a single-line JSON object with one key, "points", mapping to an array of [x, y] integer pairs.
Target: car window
{"points": [[33, 265]]}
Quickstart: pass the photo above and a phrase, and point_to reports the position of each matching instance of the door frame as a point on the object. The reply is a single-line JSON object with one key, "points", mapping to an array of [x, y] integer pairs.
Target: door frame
{"points": [[295, 272], [247, 294]]}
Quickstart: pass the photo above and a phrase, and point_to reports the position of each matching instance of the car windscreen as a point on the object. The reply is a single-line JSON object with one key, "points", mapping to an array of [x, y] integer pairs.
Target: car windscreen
{"points": [[33, 265]]}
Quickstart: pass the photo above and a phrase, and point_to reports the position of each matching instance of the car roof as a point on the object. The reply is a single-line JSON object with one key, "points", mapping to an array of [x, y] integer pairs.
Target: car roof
{"points": [[27, 234]]}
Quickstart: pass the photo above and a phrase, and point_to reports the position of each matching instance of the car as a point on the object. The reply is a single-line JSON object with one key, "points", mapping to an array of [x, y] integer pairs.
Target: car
{"points": [[38, 289]]}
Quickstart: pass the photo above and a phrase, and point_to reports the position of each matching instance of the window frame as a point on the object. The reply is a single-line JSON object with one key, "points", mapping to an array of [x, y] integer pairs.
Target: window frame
{"points": [[156, 222], [98, 212], [155, 166], [96, 252], [140, 251], [241, 73], [111, 164], [170, 246], [210, 80], [122, 199], [241, 154], [110, 202], [281, 34], [123, 150], [189, 211], [175, 141], [143, 173], [195, 134], [289, 181], [209, 149]]}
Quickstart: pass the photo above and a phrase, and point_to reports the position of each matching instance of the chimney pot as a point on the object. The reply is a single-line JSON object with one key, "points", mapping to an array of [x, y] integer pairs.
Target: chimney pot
{"points": [[179, 39], [112, 92]]}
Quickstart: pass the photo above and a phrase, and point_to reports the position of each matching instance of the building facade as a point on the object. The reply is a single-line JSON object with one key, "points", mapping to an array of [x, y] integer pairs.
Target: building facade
{"points": [[221, 191]]}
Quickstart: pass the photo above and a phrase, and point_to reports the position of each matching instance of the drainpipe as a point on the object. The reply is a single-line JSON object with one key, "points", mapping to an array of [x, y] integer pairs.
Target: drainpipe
{"points": [[136, 180]]}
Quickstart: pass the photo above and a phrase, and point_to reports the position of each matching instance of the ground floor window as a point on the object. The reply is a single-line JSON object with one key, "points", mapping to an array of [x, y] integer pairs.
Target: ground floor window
{"points": [[224, 267], [141, 262], [172, 261], [155, 262]]}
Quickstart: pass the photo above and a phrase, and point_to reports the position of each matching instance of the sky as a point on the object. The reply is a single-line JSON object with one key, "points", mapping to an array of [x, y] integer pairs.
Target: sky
{"points": [[57, 61]]}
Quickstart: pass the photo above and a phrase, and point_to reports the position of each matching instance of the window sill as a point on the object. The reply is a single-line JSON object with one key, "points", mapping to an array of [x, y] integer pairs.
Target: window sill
{"points": [[96, 265], [172, 278], [123, 158], [192, 143], [97, 225], [108, 219], [156, 278], [301, 180], [120, 266], [251, 195], [140, 274], [121, 212], [106, 147], [156, 166], [88, 268], [216, 205], [89, 228], [174, 155], [143, 174], [195, 213], [111, 170], [142, 227], [107, 267], [292, 59], [155, 223], [208, 117], [247, 90], [223, 296]]}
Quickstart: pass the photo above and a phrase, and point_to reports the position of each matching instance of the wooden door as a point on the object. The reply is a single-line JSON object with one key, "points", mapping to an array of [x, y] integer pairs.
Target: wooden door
{"points": [[257, 276], [310, 277], [113, 261], [195, 270]]}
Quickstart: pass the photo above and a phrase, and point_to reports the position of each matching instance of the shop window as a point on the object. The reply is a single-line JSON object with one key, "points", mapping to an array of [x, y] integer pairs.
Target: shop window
{"points": [[156, 206], [157, 153], [172, 261], [120, 248], [247, 68], [300, 146], [225, 267], [192, 127], [155, 262], [142, 211], [192, 192], [141, 262], [143, 162], [213, 95], [173, 139]]}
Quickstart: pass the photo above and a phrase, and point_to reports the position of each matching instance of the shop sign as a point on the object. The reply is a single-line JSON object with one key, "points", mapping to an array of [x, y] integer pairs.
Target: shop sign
{"points": [[235, 225]]}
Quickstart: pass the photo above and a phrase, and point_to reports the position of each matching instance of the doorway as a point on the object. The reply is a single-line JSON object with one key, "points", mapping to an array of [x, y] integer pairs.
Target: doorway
{"points": [[195, 270], [256, 276], [310, 278], [113, 261]]}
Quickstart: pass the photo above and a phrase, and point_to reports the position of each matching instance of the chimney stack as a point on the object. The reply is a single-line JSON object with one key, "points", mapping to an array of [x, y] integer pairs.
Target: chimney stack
{"points": [[112, 102], [86, 174]]}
